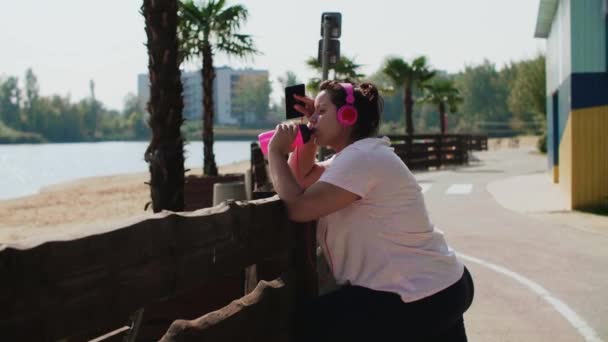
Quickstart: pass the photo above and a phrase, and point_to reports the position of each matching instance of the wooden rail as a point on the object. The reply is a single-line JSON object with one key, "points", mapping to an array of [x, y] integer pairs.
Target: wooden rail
{"points": [[478, 142], [423, 151], [266, 309], [420, 151], [79, 289]]}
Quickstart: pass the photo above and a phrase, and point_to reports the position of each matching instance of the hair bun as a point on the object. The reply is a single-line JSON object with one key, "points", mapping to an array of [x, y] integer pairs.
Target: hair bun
{"points": [[369, 91]]}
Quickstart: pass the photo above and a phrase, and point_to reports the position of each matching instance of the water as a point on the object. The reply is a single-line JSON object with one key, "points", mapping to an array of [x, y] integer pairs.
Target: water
{"points": [[25, 169]]}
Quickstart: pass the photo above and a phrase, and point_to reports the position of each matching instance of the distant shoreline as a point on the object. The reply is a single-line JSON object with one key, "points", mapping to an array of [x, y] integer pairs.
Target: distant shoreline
{"points": [[219, 134]]}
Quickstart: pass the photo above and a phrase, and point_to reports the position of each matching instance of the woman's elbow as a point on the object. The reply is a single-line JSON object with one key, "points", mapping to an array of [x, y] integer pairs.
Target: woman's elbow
{"points": [[298, 214]]}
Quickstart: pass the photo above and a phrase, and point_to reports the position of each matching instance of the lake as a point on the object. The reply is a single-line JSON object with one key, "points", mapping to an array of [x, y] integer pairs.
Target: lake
{"points": [[25, 169]]}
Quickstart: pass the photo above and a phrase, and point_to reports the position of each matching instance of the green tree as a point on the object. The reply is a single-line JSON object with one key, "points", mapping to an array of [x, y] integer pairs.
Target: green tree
{"points": [[527, 100], [277, 111], [289, 79], [346, 70], [132, 103], [484, 91], [32, 94], [251, 100], [206, 29], [10, 102], [36, 118], [92, 112], [442, 93], [165, 153], [393, 99], [69, 120], [408, 76], [136, 117]]}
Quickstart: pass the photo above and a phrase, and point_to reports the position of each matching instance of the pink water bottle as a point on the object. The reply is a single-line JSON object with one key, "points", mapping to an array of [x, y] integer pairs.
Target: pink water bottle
{"points": [[301, 139]]}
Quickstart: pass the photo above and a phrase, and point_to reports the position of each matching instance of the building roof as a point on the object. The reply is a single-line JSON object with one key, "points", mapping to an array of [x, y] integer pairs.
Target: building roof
{"points": [[546, 12]]}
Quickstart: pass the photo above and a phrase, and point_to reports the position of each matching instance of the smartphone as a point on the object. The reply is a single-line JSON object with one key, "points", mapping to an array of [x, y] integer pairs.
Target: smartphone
{"points": [[290, 101]]}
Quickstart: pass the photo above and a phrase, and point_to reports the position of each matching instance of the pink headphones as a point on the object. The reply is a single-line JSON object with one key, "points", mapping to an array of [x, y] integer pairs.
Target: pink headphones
{"points": [[347, 114]]}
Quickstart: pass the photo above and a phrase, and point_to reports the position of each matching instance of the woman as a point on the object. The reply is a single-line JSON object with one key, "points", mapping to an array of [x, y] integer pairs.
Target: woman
{"points": [[398, 275]]}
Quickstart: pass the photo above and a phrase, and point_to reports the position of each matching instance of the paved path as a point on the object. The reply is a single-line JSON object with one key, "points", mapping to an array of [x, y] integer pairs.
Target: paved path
{"points": [[541, 272]]}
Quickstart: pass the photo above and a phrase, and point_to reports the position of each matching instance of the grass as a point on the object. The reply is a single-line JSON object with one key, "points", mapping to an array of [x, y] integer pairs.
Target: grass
{"points": [[12, 136]]}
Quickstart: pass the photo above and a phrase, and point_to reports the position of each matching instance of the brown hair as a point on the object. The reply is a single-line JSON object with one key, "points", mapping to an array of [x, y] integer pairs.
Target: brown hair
{"points": [[368, 102]]}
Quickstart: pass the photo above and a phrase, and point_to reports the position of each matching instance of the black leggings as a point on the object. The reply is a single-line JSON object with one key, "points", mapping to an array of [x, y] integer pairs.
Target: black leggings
{"points": [[355, 313]]}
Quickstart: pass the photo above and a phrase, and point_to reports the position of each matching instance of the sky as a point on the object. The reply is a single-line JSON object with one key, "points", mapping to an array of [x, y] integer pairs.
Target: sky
{"points": [[67, 43]]}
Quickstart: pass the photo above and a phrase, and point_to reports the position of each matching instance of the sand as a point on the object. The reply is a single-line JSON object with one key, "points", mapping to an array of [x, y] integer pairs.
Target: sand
{"points": [[66, 209], [92, 204]]}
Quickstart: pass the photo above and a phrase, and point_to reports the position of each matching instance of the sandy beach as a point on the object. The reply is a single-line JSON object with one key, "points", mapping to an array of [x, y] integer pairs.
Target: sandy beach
{"points": [[92, 204], [67, 208]]}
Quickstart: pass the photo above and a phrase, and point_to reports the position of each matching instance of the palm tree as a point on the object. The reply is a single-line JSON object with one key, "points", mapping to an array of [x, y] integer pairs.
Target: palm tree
{"points": [[409, 76], [204, 30], [442, 93], [345, 70], [165, 153]]}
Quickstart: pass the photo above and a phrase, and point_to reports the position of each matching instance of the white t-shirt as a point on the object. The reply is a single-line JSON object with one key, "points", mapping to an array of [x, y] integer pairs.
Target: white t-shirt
{"points": [[384, 241]]}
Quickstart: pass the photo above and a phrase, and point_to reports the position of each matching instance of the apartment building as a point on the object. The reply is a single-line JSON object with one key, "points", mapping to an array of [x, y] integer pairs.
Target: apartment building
{"points": [[224, 85]]}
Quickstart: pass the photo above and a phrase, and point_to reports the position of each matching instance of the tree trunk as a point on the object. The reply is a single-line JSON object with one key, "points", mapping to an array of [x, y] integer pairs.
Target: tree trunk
{"points": [[442, 118], [165, 153], [409, 104], [208, 75]]}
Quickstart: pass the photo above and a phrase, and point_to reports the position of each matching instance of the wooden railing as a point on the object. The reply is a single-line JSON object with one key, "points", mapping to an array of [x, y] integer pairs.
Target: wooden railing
{"points": [[420, 151], [478, 142], [83, 288], [423, 151]]}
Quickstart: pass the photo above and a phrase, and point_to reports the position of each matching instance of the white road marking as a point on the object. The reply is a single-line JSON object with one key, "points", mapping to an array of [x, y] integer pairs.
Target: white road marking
{"points": [[584, 329], [459, 189]]}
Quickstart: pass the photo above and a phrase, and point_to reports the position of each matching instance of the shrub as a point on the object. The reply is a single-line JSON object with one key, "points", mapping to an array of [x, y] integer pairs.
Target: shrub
{"points": [[542, 143]]}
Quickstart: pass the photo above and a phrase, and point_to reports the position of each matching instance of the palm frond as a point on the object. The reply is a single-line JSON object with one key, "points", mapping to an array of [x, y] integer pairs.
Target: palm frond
{"points": [[212, 23], [442, 90], [230, 19], [387, 90], [419, 62], [239, 45], [345, 69], [189, 12], [312, 86], [313, 63], [397, 70]]}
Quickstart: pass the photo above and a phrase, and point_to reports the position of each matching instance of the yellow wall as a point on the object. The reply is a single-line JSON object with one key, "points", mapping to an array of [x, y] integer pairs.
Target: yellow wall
{"points": [[565, 160], [583, 156], [556, 174]]}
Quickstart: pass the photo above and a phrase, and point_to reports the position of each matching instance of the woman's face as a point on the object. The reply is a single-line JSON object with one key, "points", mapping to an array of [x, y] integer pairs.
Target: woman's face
{"points": [[327, 130]]}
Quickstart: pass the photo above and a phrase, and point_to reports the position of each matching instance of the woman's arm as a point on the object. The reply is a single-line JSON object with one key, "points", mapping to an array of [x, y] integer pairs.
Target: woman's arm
{"points": [[304, 205], [308, 204], [302, 162]]}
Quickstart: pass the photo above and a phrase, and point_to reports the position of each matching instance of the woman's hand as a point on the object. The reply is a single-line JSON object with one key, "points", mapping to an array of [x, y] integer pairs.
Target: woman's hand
{"points": [[309, 105], [283, 138]]}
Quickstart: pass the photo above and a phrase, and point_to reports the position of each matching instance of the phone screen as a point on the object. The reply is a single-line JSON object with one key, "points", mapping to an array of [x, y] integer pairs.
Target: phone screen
{"points": [[290, 101]]}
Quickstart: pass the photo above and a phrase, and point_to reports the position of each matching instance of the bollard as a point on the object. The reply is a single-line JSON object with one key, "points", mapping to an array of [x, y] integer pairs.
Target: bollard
{"points": [[248, 184], [230, 190]]}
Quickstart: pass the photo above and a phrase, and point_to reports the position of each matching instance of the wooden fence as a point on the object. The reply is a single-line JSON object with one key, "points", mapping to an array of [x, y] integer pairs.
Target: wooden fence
{"points": [[423, 151], [80, 289], [420, 151], [190, 267], [478, 142]]}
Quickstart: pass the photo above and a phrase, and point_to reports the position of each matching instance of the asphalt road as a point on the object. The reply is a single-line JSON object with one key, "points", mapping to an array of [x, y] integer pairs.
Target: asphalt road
{"points": [[535, 280]]}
